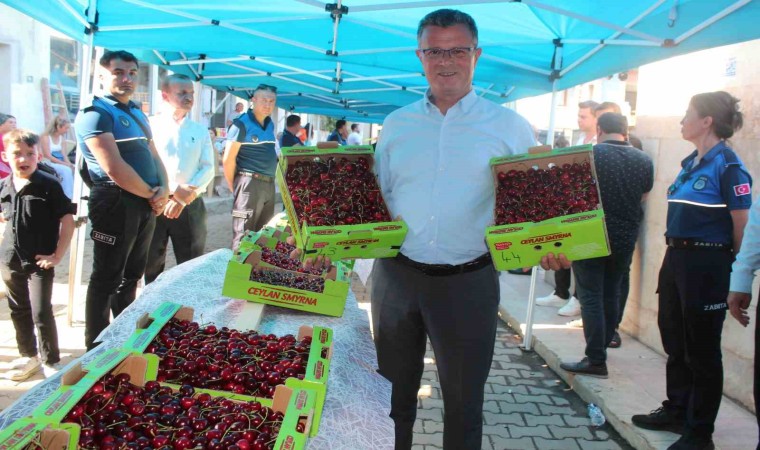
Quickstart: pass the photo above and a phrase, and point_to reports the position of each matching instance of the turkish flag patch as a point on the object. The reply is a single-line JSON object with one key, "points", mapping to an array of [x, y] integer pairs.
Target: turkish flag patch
{"points": [[742, 189]]}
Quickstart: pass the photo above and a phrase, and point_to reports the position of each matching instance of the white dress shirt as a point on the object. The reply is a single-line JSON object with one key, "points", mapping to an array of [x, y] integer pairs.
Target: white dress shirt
{"points": [[354, 138], [434, 173], [185, 149], [748, 259]]}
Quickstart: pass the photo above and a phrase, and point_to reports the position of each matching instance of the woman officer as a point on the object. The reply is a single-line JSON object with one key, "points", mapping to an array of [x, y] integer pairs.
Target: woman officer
{"points": [[707, 209]]}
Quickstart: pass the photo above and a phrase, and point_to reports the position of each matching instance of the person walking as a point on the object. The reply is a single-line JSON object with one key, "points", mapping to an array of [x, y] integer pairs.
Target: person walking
{"points": [[708, 207], [185, 150]]}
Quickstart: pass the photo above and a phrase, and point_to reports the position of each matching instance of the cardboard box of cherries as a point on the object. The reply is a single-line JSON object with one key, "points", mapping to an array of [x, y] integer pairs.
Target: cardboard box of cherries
{"points": [[334, 203], [546, 201], [115, 400], [244, 365]]}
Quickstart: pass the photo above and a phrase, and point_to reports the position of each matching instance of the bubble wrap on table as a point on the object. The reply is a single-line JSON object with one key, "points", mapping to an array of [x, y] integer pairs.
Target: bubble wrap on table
{"points": [[356, 409]]}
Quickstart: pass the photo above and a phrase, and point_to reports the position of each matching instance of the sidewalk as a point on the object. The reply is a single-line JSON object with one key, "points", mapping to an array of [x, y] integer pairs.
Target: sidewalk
{"points": [[636, 383]]}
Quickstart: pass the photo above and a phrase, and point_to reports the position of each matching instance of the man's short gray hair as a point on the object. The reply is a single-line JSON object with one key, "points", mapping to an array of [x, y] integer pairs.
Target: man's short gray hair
{"points": [[445, 18], [172, 79]]}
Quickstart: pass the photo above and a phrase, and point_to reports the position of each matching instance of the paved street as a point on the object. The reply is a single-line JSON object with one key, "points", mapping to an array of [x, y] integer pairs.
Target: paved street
{"points": [[527, 406]]}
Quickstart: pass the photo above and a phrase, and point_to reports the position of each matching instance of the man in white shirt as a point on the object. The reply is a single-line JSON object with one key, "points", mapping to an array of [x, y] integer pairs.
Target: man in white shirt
{"points": [[186, 151], [587, 122], [354, 138], [432, 162]]}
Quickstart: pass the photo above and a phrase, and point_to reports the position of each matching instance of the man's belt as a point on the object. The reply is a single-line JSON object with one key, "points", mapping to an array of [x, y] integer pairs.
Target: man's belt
{"points": [[437, 270], [696, 245], [258, 176], [105, 183]]}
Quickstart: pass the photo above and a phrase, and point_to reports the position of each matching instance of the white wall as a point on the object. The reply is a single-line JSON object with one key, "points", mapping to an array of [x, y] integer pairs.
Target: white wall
{"points": [[24, 61]]}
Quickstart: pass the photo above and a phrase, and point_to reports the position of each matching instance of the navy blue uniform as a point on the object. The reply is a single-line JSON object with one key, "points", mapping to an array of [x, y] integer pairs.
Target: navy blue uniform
{"points": [[122, 223], [289, 139], [335, 136], [694, 281], [253, 185]]}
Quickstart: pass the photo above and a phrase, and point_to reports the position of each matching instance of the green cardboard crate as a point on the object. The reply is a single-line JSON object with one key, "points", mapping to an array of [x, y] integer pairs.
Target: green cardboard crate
{"points": [[331, 302], [317, 368], [370, 240], [295, 403], [23, 432], [578, 236]]}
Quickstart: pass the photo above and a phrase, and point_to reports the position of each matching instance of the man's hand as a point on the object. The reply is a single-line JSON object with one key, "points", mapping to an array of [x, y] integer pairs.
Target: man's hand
{"points": [[159, 199], [550, 262], [320, 263], [185, 194], [738, 302], [47, 261], [173, 209]]}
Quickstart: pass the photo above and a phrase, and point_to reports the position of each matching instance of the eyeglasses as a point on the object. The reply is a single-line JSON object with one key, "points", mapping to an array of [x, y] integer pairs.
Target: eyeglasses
{"points": [[438, 53], [266, 87]]}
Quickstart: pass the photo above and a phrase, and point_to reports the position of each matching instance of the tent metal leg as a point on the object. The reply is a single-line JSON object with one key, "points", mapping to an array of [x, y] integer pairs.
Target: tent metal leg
{"points": [[528, 340]]}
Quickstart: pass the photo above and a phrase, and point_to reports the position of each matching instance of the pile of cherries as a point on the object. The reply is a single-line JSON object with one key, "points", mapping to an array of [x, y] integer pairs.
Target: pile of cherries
{"points": [[284, 261], [289, 279], [540, 194], [335, 191], [116, 414], [242, 362]]}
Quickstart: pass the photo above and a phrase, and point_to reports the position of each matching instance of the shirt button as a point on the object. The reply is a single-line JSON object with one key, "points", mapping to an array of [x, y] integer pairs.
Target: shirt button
{"points": [[432, 242], [440, 169], [432, 217]]}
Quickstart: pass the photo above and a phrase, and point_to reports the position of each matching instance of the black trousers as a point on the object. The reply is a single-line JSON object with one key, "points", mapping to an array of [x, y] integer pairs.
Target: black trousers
{"points": [[458, 313], [693, 286], [30, 294], [188, 235], [598, 281], [122, 229], [252, 207], [562, 278]]}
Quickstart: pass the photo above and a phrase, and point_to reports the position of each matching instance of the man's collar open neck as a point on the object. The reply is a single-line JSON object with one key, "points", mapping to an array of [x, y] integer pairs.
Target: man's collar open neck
{"points": [[446, 103], [123, 99], [260, 119]]}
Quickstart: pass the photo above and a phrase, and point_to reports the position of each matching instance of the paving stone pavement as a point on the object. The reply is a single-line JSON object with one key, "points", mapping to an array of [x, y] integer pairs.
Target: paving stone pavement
{"points": [[526, 405]]}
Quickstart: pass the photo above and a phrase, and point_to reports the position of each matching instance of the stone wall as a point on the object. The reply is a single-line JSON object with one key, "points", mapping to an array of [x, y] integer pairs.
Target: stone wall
{"points": [[663, 95]]}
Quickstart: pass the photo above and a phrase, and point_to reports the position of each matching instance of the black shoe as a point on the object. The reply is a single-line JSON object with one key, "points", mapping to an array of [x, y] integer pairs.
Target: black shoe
{"points": [[615, 342], [518, 272], [661, 419], [691, 442], [585, 367]]}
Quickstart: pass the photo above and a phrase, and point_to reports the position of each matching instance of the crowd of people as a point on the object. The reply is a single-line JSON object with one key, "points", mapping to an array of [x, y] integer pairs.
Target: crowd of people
{"points": [[146, 176]]}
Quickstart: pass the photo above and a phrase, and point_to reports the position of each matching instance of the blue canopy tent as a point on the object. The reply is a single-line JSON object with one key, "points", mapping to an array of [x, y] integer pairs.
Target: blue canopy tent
{"points": [[356, 58]]}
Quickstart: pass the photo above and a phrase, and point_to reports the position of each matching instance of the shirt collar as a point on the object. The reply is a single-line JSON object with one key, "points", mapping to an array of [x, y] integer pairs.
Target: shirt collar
{"points": [[111, 100], [253, 119], [709, 156], [466, 103], [616, 142]]}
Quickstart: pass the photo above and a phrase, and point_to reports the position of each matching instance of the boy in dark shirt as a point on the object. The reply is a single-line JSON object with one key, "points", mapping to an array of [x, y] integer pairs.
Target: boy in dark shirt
{"points": [[37, 235]]}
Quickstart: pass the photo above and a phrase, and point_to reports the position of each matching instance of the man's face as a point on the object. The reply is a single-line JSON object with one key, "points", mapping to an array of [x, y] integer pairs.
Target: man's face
{"points": [[239, 108], [264, 103], [180, 96], [120, 77], [447, 75], [22, 159], [586, 120], [343, 131]]}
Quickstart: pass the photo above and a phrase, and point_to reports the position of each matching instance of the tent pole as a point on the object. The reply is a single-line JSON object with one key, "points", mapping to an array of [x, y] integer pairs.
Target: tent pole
{"points": [[76, 254], [552, 115]]}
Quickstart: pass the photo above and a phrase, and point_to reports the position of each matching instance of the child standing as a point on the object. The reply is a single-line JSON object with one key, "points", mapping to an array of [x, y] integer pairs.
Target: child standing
{"points": [[37, 235]]}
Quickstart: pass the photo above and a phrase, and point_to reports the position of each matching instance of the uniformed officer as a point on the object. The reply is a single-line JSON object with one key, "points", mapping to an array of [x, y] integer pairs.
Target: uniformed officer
{"points": [[249, 164], [707, 209], [129, 190]]}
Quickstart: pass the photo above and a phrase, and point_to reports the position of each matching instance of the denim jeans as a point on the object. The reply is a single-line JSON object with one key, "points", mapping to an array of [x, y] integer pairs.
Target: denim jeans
{"points": [[598, 283]]}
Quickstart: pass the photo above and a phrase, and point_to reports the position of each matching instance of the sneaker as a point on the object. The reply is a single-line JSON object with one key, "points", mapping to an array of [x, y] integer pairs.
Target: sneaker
{"points": [[661, 419], [31, 367], [586, 367], [572, 308], [615, 342], [518, 272], [51, 369], [551, 300], [577, 323], [691, 442]]}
